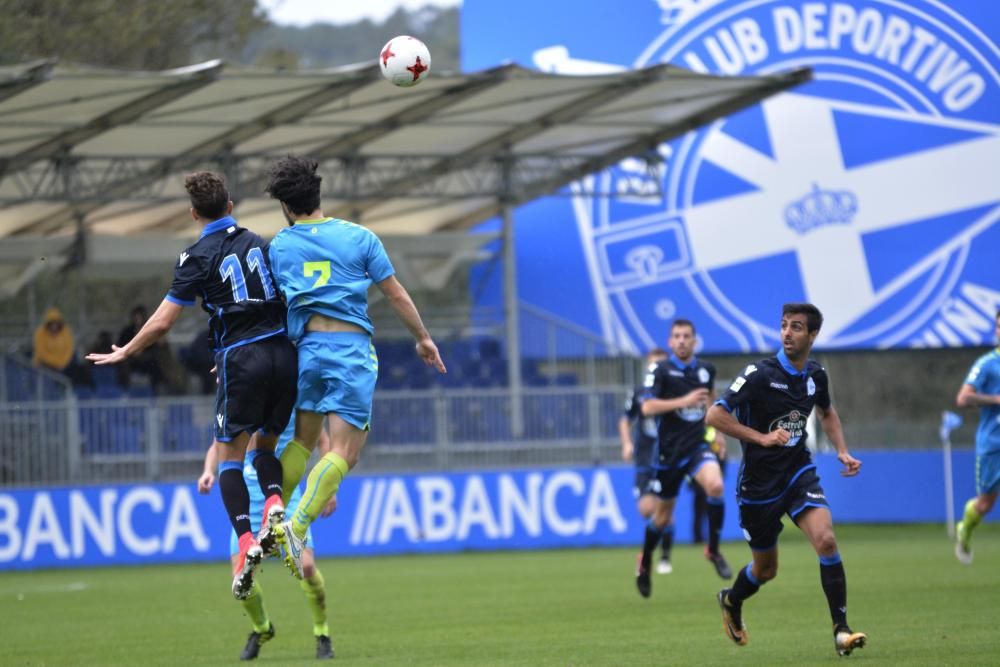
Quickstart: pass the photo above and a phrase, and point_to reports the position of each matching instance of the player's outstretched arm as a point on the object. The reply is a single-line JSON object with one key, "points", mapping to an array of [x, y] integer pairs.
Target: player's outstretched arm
{"points": [[830, 420], [625, 435], [968, 397], [407, 312], [154, 329], [207, 478]]}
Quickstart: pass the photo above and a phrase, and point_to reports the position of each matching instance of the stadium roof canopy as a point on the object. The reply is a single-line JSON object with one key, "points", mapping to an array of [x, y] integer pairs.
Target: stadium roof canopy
{"points": [[98, 154]]}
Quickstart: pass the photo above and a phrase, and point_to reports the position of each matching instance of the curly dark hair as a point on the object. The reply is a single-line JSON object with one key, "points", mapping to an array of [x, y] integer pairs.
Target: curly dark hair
{"points": [[293, 181], [209, 194]]}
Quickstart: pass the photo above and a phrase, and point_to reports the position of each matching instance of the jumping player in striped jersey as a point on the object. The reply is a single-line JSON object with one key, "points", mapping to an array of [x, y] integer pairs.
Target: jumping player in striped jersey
{"points": [[227, 268]]}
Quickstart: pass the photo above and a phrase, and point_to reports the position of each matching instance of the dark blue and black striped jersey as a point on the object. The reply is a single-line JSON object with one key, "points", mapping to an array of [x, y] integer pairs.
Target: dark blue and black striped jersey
{"points": [[644, 438], [679, 432], [769, 395], [228, 269]]}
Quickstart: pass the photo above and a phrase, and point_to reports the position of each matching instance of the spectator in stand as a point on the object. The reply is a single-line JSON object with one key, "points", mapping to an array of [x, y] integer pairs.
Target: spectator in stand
{"points": [[147, 362], [102, 342], [53, 346]]}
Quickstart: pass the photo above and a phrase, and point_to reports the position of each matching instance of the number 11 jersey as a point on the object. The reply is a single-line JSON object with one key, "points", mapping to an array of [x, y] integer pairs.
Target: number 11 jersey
{"points": [[228, 268]]}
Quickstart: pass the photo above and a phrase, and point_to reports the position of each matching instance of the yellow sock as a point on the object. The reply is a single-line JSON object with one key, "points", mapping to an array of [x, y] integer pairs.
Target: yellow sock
{"points": [[254, 606], [324, 480], [315, 589], [293, 465], [971, 518]]}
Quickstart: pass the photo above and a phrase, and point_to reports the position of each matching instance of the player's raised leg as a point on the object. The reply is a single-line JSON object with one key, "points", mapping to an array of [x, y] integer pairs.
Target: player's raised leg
{"points": [[314, 588], [655, 527], [817, 524], [295, 455], [975, 509], [253, 604], [666, 546], [709, 477], [236, 499], [761, 569], [269, 477], [346, 443]]}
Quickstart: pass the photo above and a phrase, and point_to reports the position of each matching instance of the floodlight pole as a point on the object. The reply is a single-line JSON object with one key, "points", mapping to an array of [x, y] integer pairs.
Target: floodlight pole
{"points": [[511, 306]]}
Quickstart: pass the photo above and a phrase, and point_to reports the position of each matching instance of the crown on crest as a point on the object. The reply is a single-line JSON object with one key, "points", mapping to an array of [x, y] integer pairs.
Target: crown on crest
{"points": [[821, 208]]}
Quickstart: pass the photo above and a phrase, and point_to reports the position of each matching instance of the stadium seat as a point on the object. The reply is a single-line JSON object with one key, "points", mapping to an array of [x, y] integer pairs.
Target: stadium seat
{"points": [[185, 437], [109, 391], [104, 376], [555, 416], [83, 393], [140, 391], [490, 348], [566, 380]]}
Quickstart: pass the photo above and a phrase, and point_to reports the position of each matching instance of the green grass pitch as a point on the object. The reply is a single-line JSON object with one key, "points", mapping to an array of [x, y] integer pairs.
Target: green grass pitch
{"points": [[918, 605]]}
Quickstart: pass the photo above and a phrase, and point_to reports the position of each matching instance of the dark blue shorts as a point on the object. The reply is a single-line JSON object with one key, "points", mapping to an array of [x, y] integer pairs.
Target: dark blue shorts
{"points": [[761, 519], [671, 478], [645, 482], [256, 387]]}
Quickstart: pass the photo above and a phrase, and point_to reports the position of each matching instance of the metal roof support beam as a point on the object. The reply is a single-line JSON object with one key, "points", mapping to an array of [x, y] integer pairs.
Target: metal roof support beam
{"points": [[347, 147], [290, 112], [648, 142], [88, 181], [511, 306], [190, 80], [33, 268], [573, 109], [29, 77], [350, 143]]}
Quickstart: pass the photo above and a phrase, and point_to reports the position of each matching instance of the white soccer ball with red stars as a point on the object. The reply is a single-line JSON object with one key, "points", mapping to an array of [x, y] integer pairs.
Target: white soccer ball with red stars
{"points": [[405, 61]]}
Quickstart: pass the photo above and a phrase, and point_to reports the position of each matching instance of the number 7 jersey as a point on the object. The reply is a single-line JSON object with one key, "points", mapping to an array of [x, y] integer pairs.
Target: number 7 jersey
{"points": [[227, 267], [325, 267]]}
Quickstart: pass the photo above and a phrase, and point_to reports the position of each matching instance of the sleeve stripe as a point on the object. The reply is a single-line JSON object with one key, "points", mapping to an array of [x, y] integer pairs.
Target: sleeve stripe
{"points": [[180, 302], [724, 404]]}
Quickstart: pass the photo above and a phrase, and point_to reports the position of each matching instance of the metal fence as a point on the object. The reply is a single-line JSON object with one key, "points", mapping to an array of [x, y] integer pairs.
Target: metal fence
{"points": [[89, 441]]}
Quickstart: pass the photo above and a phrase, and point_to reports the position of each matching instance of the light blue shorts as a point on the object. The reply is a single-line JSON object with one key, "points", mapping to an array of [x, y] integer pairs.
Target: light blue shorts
{"points": [[988, 472], [337, 373], [257, 515]]}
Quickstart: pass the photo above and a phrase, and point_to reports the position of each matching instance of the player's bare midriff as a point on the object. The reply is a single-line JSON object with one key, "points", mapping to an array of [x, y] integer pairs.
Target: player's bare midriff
{"points": [[319, 322]]}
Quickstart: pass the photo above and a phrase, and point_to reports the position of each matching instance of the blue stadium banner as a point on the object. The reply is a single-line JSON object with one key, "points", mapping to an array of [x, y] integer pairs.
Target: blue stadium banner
{"points": [[430, 512], [870, 191]]}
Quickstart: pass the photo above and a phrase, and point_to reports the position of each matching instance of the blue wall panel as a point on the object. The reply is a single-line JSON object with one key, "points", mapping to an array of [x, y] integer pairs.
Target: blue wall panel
{"points": [[428, 512]]}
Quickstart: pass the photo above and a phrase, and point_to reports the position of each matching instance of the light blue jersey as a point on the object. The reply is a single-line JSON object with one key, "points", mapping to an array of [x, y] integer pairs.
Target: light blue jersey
{"points": [[984, 376], [326, 267]]}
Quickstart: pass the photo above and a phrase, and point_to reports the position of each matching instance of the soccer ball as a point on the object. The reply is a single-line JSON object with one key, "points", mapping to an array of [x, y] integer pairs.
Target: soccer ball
{"points": [[405, 61]]}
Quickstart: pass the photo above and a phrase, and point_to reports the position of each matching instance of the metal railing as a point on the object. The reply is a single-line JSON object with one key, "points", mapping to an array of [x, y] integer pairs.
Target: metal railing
{"points": [[20, 381], [83, 441]]}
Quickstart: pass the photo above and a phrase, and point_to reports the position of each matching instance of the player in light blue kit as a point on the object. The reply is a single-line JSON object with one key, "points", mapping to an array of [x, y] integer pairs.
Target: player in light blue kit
{"points": [[323, 267], [981, 389], [312, 582]]}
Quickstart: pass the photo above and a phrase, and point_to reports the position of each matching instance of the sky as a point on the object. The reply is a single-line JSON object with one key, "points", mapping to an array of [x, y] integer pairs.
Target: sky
{"points": [[305, 12]]}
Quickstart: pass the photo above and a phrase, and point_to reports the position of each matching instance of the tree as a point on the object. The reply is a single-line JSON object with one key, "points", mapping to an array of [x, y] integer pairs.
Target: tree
{"points": [[126, 34]]}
